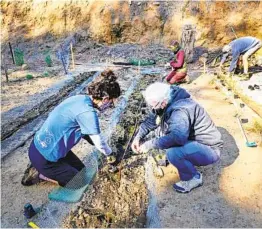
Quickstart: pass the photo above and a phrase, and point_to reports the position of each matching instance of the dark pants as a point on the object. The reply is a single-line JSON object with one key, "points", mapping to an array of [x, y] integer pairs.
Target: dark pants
{"points": [[192, 154], [61, 171]]}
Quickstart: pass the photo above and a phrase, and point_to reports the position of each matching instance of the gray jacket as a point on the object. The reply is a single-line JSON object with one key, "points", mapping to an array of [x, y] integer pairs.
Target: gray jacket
{"points": [[183, 120]]}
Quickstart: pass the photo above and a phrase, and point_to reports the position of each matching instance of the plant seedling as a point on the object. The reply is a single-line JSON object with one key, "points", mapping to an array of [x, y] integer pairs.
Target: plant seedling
{"points": [[29, 76], [111, 160], [45, 74]]}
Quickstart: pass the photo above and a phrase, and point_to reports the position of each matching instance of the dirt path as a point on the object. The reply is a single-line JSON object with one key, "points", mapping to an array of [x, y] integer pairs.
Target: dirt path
{"points": [[232, 190]]}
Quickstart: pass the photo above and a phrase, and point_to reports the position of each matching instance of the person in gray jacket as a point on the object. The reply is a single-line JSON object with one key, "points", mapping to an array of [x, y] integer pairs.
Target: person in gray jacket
{"points": [[245, 46], [187, 133]]}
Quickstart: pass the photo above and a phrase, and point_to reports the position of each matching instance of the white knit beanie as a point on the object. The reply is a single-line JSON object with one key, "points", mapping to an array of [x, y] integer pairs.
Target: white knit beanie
{"points": [[156, 93]]}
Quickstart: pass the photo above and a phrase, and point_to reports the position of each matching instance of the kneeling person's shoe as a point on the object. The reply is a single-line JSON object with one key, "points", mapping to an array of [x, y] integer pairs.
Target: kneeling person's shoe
{"points": [[31, 176], [187, 186]]}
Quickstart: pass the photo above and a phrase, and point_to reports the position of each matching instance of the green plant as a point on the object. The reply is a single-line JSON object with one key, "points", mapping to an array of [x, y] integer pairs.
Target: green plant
{"points": [[19, 57], [212, 82], [29, 76], [45, 74], [48, 61]]}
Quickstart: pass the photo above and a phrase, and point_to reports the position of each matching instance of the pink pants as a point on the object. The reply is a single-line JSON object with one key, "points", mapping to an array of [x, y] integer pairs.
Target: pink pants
{"points": [[175, 77]]}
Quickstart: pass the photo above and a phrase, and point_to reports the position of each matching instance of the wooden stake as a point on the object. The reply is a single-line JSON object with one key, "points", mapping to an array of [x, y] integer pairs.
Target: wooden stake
{"points": [[72, 55], [12, 53], [63, 59], [233, 31], [5, 69]]}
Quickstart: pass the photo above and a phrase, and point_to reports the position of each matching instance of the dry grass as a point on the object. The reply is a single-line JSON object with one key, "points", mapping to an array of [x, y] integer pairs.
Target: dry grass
{"points": [[256, 126]]}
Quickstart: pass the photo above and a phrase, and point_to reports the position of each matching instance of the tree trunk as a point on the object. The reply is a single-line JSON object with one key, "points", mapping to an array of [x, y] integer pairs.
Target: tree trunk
{"points": [[188, 41]]}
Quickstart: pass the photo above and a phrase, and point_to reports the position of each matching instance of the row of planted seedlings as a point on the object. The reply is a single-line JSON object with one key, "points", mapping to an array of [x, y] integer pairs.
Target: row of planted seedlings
{"points": [[119, 197], [232, 86]]}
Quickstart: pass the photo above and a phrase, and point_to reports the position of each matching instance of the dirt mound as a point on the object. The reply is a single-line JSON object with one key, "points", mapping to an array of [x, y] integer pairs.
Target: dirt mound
{"points": [[118, 199], [140, 22]]}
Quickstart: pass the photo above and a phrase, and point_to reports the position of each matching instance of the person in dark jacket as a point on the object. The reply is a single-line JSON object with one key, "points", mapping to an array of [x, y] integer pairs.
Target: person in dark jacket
{"points": [[178, 64], [245, 46], [187, 133]]}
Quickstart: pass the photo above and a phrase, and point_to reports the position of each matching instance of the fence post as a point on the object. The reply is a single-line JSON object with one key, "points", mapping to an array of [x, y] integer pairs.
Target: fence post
{"points": [[63, 60], [72, 56], [4, 66], [12, 52]]}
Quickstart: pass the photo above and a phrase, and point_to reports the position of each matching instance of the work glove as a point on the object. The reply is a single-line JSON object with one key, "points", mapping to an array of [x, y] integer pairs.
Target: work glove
{"points": [[145, 148], [135, 145], [107, 150]]}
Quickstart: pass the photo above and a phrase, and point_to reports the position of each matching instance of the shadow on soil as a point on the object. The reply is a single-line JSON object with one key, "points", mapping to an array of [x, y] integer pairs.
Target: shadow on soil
{"points": [[209, 205], [214, 208], [255, 69], [230, 150]]}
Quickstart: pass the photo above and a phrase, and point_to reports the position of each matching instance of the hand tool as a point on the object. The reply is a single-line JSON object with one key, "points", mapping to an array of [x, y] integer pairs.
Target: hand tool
{"points": [[32, 225], [248, 144]]}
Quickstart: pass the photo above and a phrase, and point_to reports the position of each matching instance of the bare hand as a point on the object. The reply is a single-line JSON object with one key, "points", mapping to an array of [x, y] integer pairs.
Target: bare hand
{"points": [[135, 146]]}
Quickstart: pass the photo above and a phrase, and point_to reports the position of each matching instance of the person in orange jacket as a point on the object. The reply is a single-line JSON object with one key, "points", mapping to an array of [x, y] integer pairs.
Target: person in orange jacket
{"points": [[178, 64]]}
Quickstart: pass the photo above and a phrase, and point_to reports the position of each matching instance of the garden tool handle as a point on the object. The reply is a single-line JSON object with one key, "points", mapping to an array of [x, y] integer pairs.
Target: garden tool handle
{"points": [[32, 225], [242, 130]]}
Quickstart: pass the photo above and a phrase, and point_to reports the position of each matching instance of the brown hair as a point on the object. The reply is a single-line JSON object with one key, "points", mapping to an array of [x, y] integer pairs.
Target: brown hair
{"points": [[106, 85]]}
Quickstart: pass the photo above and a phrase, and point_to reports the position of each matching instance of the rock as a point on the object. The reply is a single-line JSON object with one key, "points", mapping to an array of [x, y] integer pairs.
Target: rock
{"points": [[85, 215], [156, 3], [161, 205], [24, 67]]}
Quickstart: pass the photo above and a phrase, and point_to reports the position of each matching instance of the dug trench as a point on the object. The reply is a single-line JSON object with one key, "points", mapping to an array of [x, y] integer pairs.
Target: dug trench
{"points": [[20, 123], [15, 164], [118, 199], [19, 116]]}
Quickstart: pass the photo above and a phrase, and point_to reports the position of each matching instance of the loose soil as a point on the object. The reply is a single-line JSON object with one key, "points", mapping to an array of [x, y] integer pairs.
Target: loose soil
{"points": [[15, 163], [118, 199], [230, 196]]}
